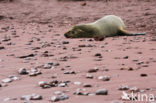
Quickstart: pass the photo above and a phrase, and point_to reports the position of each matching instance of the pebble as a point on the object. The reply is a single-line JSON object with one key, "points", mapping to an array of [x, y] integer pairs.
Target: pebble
{"points": [[22, 71], [13, 77], [82, 45], [102, 92], [98, 55], [81, 92], [34, 72], [124, 87], [89, 76], [26, 56], [7, 80], [69, 72], [56, 64], [62, 85], [57, 92], [2, 47], [33, 96], [59, 98], [65, 42], [93, 70], [77, 83], [36, 97], [43, 84], [143, 75], [104, 78], [6, 38], [134, 89], [54, 83], [26, 97], [87, 85], [126, 57], [8, 99], [48, 65]]}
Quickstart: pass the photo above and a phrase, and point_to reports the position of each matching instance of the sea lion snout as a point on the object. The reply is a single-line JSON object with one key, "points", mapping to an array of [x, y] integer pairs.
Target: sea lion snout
{"points": [[66, 35]]}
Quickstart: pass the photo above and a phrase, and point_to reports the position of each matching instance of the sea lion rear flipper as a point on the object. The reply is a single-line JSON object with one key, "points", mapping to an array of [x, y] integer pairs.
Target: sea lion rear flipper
{"points": [[126, 33]]}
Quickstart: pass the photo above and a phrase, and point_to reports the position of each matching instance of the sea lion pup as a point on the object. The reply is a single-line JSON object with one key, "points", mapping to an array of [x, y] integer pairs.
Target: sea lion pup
{"points": [[107, 26]]}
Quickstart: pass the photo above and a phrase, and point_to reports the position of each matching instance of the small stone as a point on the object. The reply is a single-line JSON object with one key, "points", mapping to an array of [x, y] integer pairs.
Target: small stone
{"points": [[57, 92], [26, 97], [36, 97], [104, 78], [8, 99], [65, 42], [26, 56], [56, 64], [143, 75], [54, 83], [7, 80], [13, 77], [126, 57], [82, 45], [89, 76], [140, 62], [130, 69], [34, 72], [93, 70], [2, 47], [22, 71], [6, 38], [98, 54], [69, 72], [80, 92], [77, 83], [102, 92], [62, 85], [31, 97], [87, 85], [134, 89], [149, 89], [48, 65], [43, 84], [124, 87], [59, 98]]}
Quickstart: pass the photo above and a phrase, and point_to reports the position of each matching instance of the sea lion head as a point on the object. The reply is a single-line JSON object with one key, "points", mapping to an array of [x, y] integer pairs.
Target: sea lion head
{"points": [[80, 31]]}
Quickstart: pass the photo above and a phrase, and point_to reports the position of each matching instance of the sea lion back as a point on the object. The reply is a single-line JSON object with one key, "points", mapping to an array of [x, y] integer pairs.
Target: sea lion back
{"points": [[109, 25]]}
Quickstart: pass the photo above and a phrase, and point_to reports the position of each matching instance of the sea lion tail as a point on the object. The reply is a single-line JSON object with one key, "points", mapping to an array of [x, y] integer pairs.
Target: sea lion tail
{"points": [[126, 33]]}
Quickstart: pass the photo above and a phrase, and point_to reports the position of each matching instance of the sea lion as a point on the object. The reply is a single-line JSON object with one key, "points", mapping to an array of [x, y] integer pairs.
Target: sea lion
{"points": [[107, 26]]}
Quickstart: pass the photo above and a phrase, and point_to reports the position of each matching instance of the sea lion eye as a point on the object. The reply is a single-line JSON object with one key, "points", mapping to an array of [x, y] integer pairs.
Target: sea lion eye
{"points": [[73, 32]]}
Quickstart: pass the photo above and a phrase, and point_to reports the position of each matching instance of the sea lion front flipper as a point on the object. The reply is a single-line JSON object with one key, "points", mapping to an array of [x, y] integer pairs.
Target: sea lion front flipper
{"points": [[99, 38], [123, 32]]}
